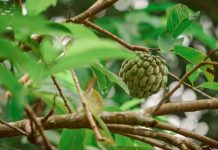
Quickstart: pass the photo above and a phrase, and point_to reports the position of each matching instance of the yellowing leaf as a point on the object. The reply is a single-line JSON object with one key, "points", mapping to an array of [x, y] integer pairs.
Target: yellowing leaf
{"points": [[95, 101]]}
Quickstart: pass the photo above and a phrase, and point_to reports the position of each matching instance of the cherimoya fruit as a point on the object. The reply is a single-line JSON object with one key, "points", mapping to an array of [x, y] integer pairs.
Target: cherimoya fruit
{"points": [[144, 75]]}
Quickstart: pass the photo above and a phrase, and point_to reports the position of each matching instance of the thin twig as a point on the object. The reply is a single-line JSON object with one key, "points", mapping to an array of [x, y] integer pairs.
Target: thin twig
{"points": [[191, 144], [210, 53], [115, 38], [51, 111], [38, 126], [69, 9], [85, 105], [185, 76], [95, 8], [13, 127], [61, 94], [90, 85], [147, 140], [193, 88]]}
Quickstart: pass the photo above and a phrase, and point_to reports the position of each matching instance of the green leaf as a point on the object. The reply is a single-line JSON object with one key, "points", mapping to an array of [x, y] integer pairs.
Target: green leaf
{"points": [[192, 55], [210, 85], [53, 136], [105, 131], [199, 33], [18, 100], [161, 118], [23, 61], [102, 81], [195, 57], [36, 7], [123, 140], [112, 108], [166, 42], [89, 139], [24, 28], [72, 139], [80, 54], [114, 78], [193, 77], [49, 50], [154, 7], [80, 31], [179, 19], [131, 103]]}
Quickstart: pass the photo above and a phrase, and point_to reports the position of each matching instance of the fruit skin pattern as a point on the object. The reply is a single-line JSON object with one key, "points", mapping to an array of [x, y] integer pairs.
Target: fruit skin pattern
{"points": [[144, 75]]}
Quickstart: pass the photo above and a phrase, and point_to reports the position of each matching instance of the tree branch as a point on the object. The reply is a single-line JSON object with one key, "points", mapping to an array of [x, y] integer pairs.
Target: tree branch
{"points": [[94, 9], [39, 127], [149, 133], [147, 140], [22, 132], [85, 105], [79, 120], [189, 106], [138, 118]]}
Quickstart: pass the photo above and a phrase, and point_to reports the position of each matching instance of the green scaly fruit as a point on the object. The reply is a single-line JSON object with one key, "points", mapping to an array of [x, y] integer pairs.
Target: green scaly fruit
{"points": [[144, 75]]}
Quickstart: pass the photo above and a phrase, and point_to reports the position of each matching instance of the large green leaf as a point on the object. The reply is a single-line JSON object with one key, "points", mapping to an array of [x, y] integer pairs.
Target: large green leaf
{"points": [[166, 42], [179, 19], [22, 60], [35, 7], [72, 139], [25, 26], [210, 85], [192, 55], [195, 57], [17, 100], [88, 51], [114, 78]]}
